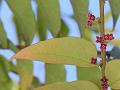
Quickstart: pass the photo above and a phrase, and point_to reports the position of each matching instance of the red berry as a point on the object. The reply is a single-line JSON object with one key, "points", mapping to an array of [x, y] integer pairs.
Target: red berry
{"points": [[89, 23], [93, 61], [103, 46], [111, 37], [92, 17], [99, 39]]}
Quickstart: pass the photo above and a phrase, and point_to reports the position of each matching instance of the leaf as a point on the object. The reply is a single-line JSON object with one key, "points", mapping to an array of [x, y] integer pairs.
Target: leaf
{"points": [[3, 36], [79, 85], [107, 17], [4, 69], [94, 74], [88, 34], [80, 12], [55, 73], [115, 9], [35, 82], [67, 50], [115, 42], [49, 15], [64, 29], [24, 69], [113, 73], [24, 18]]}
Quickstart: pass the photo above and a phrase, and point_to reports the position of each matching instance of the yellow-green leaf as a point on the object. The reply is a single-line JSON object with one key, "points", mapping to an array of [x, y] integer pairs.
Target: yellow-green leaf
{"points": [[78, 85], [49, 15], [67, 50], [113, 73], [80, 12], [115, 42], [55, 73], [107, 17], [24, 69], [94, 74], [115, 9], [24, 18], [3, 36]]}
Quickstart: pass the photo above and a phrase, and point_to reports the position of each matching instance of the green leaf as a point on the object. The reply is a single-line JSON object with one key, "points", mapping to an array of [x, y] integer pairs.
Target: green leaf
{"points": [[80, 12], [107, 17], [3, 36], [24, 69], [35, 82], [79, 85], [24, 18], [49, 15], [113, 73], [67, 50], [94, 74], [115, 42], [64, 29], [115, 9], [4, 69], [6, 86], [55, 73]]}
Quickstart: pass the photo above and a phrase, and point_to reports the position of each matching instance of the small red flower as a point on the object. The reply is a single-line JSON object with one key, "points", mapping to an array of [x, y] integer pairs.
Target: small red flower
{"points": [[93, 61], [104, 83], [99, 39], [111, 37], [103, 47], [91, 18], [106, 37]]}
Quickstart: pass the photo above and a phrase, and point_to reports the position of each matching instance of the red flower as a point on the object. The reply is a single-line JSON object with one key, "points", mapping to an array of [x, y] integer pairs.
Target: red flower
{"points": [[103, 46], [93, 61], [99, 39]]}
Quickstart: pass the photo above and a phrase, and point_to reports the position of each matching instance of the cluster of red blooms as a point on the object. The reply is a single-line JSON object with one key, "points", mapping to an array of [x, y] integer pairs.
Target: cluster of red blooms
{"points": [[102, 39], [91, 19], [104, 83]]}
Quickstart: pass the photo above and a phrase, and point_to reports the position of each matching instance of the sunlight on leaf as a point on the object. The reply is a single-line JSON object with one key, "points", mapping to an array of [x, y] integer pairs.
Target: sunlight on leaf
{"points": [[115, 42], [67, 50]]}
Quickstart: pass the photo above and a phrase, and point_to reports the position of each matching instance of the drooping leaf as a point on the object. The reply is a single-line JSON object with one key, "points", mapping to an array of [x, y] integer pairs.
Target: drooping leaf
{"points": [[64, 29], [80, 13], [55, 73], [92, 74], [49, 15], [24, 69], [113, 73], [3, 36], [24, 19], [115, 9], [79, 85], [67, 50]]}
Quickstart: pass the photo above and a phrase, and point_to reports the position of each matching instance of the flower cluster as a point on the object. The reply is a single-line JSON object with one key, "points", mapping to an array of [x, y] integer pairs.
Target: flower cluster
{"points": [[103, 39], [91, 18], [93, 61], [104, 83]]}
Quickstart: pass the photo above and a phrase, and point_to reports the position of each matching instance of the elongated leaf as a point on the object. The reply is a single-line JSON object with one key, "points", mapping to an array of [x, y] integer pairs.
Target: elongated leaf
{"points": [[107, 17], [55, 73], [49, 15], [79, 85], [94, 74], [67, 50], [80, 12], [4, 70], [113, 73], [115, 9], [24, 69], [3, 36], [24, 18]]}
